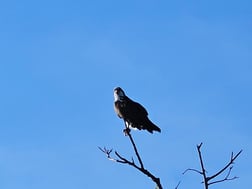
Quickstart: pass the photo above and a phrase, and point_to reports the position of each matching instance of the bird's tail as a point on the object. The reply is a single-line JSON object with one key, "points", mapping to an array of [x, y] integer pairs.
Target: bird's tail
{"points": [[152, 127]]}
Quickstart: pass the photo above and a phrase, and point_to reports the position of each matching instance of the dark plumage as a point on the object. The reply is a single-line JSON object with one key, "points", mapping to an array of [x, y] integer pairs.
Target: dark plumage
{"points": [[133, 113]]}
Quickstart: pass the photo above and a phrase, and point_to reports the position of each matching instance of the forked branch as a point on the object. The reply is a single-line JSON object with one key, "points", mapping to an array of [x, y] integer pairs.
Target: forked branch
{"points": [[208, 180], [120, 159]]}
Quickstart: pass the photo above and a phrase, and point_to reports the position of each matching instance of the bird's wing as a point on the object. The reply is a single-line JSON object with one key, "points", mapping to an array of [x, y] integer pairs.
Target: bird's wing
{"points": [[134, 109]]}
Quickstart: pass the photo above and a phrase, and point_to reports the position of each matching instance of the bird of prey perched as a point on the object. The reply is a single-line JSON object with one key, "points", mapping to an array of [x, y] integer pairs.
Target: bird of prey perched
{"points": [[133, 113]]}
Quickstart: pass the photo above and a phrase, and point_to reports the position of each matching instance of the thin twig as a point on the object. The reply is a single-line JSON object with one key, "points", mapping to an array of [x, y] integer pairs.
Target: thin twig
{"points": [[226, 177], [206, 180], [121, 159], [178, 185], [195, 170], [224, 168], [202, 166], [136, 151], [141, 168], [127, 133], [108, 152]]}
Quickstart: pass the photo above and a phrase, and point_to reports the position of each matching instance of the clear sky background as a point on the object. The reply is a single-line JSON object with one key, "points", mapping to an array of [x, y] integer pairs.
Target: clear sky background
{"points": [[188, 62]]}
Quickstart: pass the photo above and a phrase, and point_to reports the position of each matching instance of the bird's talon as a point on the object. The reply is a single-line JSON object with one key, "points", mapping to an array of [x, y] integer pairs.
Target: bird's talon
{"points": [[126, 131]]}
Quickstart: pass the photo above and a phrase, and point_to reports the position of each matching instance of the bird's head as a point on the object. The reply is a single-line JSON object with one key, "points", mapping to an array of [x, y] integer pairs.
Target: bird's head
{"points": [[119, 94]]}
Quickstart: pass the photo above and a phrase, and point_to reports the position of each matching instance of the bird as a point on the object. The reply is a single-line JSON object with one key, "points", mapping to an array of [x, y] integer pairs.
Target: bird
{"points": [[135, 116]]}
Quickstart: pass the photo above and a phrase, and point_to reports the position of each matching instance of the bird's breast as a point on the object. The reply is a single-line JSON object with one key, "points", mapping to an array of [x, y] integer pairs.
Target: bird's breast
{"points": [[118, 108]]}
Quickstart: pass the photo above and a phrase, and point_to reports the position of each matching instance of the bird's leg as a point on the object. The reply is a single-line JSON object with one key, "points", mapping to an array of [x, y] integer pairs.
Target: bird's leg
{"points": [[127, 129]]}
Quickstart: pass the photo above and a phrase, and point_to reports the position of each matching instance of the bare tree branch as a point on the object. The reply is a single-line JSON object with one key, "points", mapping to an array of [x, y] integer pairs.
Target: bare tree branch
{"points": [[229, 163], [136, 151], [108, 152], [202, 166], [123, 160], [226, 177], [178, 185], [207, 179], [195, 170]]}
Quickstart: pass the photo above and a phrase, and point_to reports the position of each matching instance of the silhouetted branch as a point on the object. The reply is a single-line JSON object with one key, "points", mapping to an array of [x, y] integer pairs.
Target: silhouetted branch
{"points": [[203, 171], [195, 170], [207, 179], [226, 178], [136, 151], [230, 163], [108, 152], [178, 185], [123, 160]]}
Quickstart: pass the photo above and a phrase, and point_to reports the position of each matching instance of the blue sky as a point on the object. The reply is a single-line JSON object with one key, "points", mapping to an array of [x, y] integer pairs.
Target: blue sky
{"points": [[187, 62]]}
